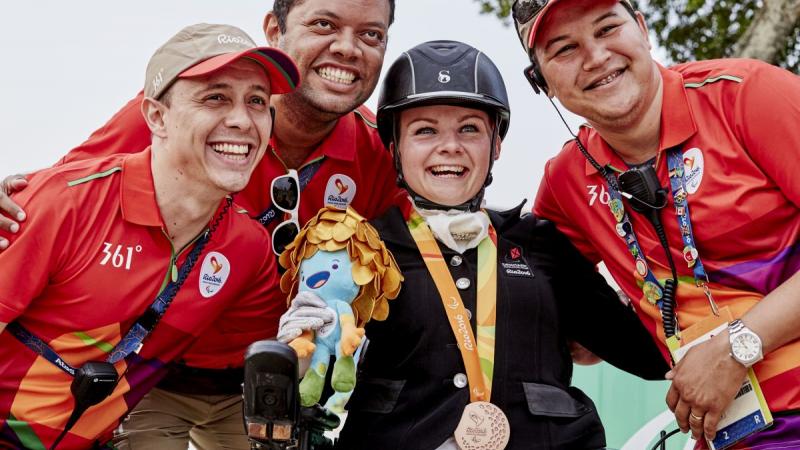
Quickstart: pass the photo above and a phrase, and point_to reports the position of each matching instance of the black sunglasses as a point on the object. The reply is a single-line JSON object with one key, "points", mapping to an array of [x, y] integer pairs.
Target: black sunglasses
{"points": [[523, 11], [285, 191]]}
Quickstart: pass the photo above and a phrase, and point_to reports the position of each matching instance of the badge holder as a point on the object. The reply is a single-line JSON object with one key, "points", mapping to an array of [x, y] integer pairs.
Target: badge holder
{"points": [[748, 413]]}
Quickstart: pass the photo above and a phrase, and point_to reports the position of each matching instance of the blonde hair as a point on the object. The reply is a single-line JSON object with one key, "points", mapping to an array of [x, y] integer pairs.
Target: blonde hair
{"points": [[374, 267]]}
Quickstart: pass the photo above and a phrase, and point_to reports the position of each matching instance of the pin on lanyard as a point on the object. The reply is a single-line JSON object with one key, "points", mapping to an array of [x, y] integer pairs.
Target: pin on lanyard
{"points": [[478, 355], [651, 288], [677, 183]]}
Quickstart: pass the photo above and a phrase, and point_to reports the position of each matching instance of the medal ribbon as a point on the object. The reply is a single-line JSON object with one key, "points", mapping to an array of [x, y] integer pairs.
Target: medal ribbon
{"points": [[478, 356]]}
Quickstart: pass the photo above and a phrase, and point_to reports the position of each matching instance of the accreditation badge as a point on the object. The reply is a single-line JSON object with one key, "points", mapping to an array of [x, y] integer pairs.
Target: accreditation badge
{"points": [[483, 426], [748, 413]]}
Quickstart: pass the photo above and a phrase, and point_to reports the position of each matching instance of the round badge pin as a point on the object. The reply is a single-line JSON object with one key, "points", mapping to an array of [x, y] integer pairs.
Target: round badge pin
{"points": [[620, 229], [690, 255], [652, 292], [483, 426], [617, 209], [641, 267]]}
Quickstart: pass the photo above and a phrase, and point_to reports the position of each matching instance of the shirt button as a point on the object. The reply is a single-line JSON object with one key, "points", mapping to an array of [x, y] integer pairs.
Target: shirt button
{"points": [[460, 380], [456, 261], [463, 283]]}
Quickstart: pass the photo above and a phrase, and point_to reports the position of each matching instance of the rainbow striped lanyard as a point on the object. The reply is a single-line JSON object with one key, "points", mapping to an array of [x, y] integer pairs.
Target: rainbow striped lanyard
{"points": [[478, 355]]}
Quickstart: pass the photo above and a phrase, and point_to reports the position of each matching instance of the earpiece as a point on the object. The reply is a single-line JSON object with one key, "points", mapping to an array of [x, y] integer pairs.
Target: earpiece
{"points": [[535, 78]]}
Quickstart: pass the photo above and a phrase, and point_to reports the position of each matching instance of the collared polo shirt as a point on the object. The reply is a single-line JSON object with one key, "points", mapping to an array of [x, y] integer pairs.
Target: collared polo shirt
{"points": [[356, 170], [737, 122], [91, 258]]}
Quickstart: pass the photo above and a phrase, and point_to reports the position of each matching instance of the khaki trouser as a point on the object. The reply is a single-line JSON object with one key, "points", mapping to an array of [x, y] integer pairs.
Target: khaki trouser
{"points": [[166, 420]]}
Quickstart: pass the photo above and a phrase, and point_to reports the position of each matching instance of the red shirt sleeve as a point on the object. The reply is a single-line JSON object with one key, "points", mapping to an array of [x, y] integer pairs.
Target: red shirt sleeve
{"points": [[547, 207], [766, 119], [387, 193], [126, 132], [35, 253]]}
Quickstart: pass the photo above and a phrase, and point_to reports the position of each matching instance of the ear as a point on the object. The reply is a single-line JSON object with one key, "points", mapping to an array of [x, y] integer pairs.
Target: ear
{"points": [[497, 147], [271, 29], [392, 148], [154, 112], [643, 28]]}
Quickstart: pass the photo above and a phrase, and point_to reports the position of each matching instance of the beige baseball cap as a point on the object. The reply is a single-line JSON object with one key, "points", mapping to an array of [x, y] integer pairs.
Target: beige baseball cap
{"points": [[203, 48]]}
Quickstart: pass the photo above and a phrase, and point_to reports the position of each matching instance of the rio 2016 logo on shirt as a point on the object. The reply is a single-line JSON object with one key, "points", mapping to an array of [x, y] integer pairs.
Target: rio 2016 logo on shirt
{"points": [[213, 274], [693, 167], [340, 191]]}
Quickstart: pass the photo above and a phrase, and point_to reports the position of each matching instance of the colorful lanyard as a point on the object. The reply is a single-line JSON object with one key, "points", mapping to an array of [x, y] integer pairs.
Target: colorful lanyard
{"points": [[132, 341], [651, 288], [690, 255], [304, 175], [478, 358]]}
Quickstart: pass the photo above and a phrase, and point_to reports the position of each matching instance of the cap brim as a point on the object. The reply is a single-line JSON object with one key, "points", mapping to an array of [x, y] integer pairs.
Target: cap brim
{"points": [[281, 69], [538, 21]]}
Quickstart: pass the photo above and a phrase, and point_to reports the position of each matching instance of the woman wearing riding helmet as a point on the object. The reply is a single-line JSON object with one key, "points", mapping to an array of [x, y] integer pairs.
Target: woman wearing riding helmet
{"points": [[474, 352]]}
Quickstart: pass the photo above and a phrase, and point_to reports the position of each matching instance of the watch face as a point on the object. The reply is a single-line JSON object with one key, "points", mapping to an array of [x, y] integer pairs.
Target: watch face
{"points": [[746, 347]]}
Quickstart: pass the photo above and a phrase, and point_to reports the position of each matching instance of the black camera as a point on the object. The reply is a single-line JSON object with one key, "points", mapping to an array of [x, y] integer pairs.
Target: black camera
{"points": [[271, 407], [273, 418]]}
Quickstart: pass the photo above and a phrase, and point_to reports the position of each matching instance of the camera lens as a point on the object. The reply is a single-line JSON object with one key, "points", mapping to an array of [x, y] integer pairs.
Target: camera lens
{"points": [[270, 399]]}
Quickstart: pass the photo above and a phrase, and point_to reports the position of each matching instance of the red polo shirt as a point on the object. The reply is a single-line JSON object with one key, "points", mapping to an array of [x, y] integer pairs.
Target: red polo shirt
{"points": [[92, 257], [738, 123], [356, 171]]}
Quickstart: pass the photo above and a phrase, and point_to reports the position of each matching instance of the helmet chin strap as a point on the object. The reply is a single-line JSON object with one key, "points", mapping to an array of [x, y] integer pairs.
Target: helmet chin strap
{"points": [[471, 205]]}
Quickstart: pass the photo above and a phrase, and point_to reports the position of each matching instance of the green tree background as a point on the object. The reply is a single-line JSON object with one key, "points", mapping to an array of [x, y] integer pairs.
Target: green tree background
{"points": [[706, 29]]}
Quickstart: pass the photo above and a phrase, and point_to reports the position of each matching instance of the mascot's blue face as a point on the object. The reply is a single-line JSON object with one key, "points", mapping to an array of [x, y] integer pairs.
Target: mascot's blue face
{"points": [[329, 275]]}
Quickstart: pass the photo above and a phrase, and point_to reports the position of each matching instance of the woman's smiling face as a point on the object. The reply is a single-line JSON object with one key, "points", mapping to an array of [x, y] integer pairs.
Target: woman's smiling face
{"points": [[444, 151]]}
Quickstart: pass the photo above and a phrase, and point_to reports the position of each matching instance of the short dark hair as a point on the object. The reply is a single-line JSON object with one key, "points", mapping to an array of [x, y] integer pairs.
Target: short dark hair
{"points": [[281, 9]]}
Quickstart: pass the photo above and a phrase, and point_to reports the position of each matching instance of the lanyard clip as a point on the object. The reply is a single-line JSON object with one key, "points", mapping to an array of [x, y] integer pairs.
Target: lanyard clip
{"points": [[711, 302]]}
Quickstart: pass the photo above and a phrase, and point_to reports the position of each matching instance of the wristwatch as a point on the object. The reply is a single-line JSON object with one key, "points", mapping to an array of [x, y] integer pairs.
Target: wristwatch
{"points": [[745, 344]]}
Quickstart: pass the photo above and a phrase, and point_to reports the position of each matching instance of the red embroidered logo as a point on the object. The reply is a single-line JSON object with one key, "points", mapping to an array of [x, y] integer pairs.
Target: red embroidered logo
{"points": [[515, 253]]}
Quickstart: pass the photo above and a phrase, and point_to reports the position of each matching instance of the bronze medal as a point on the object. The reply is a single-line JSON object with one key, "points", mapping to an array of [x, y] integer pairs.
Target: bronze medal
{"points": [[483, 426]]}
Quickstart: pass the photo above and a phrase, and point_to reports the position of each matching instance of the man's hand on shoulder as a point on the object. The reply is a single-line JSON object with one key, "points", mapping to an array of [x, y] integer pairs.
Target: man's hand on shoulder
{"points": [[10, 213]]}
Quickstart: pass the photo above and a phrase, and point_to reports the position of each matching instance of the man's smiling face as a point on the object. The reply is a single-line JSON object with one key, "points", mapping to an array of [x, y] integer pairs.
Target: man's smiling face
{"points": [[339, 48], [596, 60]]}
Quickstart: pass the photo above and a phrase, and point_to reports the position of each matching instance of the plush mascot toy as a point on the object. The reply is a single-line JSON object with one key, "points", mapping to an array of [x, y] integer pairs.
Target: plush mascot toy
{"points": [[339, 257]]}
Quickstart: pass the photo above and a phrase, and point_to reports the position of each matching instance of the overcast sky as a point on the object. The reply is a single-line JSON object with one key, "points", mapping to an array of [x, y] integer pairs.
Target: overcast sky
{"points": [[68, 66]]}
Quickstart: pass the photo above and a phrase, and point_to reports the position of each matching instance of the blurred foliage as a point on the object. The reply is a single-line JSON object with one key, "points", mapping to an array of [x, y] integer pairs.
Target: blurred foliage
{"points": [[693, 29], [500, 8]]}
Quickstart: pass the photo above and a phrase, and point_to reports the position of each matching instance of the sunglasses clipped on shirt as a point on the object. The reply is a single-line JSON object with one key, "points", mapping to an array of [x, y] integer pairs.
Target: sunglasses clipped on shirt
{"points": [[285, 192]]}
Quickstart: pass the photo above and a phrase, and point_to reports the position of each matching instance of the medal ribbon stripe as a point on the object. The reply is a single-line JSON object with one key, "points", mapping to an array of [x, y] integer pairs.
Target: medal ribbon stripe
{"points": [[478, 355], [487, 310]]}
